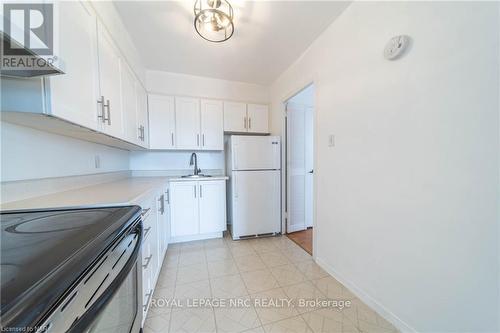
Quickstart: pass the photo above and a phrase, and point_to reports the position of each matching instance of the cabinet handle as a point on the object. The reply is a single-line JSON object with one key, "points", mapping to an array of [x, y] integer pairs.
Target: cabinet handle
{"points": [[162, 204], [168, 196], [107, 105], [144, 212], [245, 122], [172, 136], [101, 115], [145, 306], [146, 231], [249, 123], [194, 186], [148, 260], [201, 193], [203, 136], [198, 140]]}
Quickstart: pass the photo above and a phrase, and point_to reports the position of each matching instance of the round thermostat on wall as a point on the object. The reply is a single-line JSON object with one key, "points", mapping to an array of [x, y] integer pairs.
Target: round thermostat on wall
{"points": [[396, 46]]}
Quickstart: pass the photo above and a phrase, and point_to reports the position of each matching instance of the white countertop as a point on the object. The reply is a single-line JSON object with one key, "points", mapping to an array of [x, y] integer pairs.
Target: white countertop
{"points": [[122, 192]]}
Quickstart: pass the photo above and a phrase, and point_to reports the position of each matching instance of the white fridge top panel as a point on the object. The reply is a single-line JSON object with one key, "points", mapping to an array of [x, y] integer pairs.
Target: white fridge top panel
{"points": [[255, 152]]}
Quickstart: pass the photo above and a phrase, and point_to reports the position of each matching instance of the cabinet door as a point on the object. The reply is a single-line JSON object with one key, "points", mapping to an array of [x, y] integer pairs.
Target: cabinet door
{"points": [[161, 122], [142, 116], [235, 117], [212, 206], [74, 94], [212, 125], [129, 102], [154, 239], [184, 208], [110, 83], [258, 118], [162, 226], [167, 217], [187, 123], [147, 285]]}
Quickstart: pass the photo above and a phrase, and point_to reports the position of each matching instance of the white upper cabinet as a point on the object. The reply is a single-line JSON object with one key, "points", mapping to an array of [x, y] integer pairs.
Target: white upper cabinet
{"points": [[212, 125], [258, 118], [187, 123], [110, 83], [161, 122], [246, 118], [74, 94], [235, 117], [142, 116], [129, 102]]}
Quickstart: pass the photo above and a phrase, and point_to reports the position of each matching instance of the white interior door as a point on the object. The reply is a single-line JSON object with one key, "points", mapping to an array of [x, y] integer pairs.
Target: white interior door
{"points": [[309, 162], [256, 202], [212, 125], [296, 167], [187, 123]]}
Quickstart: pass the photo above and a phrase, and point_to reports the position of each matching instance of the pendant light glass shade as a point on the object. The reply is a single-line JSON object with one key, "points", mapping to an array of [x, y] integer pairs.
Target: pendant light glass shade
{"points": [[213, 20]]}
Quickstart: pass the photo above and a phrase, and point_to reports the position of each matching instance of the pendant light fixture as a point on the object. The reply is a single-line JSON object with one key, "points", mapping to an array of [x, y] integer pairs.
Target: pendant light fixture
{"points": [[213, 20]]}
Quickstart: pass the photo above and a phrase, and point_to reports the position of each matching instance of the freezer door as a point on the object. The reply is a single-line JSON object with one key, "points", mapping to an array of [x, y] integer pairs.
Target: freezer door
{"points": [[255, 152], [255, 203]]}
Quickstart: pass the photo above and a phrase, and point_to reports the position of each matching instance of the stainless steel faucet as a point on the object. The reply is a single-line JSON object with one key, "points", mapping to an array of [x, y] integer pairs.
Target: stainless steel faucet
{"points": [[194, 160]]}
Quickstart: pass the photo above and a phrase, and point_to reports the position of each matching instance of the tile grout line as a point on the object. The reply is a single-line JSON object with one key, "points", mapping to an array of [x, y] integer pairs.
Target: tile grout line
{"points": [[210, 286]]}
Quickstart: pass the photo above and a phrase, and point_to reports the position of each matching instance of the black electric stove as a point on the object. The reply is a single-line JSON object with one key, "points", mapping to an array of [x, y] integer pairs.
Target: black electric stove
{"points": [[45, 252]]}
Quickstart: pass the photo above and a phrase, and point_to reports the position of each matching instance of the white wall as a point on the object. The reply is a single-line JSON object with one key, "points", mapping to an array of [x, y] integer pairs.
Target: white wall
{"points": [[30, 154], [175, 160], [199, 86], [407, 200]]}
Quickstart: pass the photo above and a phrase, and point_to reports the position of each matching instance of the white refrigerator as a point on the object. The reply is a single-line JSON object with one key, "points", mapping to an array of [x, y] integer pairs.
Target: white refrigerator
{"points": [[254, 192]]}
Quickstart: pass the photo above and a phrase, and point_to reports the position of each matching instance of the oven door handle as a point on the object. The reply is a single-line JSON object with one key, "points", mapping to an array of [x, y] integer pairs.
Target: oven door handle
{"points": [[92, 313]]}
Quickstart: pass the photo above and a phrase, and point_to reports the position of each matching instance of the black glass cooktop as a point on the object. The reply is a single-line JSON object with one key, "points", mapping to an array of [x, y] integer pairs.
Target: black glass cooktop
{"points": [[44, 252]]}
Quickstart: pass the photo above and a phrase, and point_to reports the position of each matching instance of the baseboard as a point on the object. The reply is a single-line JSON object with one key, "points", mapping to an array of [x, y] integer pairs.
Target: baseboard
{"points": [[196, 237], [296, 228], [367, 299]]}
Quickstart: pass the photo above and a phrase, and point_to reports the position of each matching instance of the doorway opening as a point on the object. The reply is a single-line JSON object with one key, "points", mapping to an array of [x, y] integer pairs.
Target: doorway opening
{"points": [[300, 167]]}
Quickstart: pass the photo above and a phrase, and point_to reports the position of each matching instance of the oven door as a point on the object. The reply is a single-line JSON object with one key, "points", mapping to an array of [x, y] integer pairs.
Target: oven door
{"points": [[121, 314], [107, 298], [118, 309]]}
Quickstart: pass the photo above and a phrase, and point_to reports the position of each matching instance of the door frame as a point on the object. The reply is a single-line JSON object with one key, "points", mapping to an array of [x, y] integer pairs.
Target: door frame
{"points": [[284, 157]]}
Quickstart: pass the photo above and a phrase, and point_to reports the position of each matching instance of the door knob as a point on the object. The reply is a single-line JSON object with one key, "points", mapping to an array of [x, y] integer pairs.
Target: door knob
{"points": [[312, 171]]}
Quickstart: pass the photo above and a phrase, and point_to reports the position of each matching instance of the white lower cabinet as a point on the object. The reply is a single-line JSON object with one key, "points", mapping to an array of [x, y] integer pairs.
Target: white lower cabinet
{"points": [[156, 235], [184, 213], [212, 206], [197, 209]]}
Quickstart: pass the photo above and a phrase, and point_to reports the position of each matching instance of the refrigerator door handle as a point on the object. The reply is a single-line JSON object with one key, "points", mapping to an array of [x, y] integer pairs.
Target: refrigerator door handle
{"points": [[235, 157], [235, 185]]}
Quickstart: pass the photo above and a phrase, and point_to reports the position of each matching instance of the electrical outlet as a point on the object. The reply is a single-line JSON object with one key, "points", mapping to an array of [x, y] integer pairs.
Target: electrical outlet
{"points": [[331, 140], [97, 161]]}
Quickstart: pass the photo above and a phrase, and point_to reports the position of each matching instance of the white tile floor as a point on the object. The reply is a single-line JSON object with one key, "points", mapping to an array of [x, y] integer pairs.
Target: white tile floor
{"points": [[259, 269]]}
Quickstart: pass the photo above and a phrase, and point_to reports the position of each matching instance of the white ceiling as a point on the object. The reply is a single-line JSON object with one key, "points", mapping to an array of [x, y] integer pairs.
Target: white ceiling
{"points": [[268, 37]]}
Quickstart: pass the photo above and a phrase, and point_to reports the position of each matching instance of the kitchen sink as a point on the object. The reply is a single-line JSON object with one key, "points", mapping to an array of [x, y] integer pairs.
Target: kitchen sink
{"points": [[196, 176]]}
